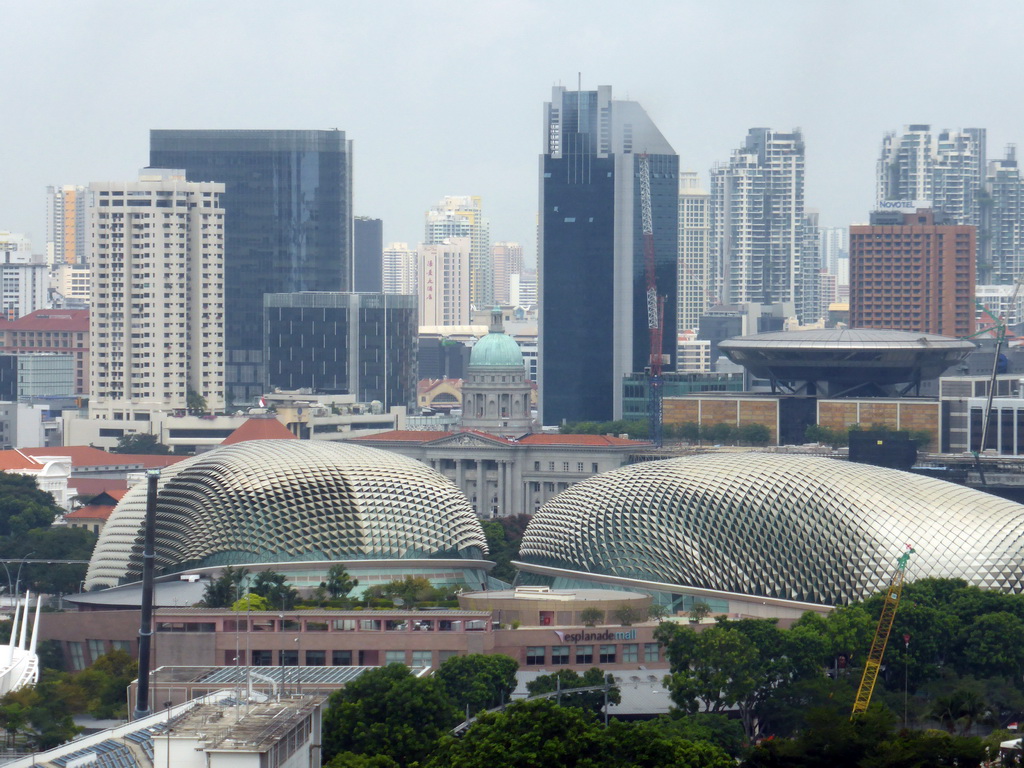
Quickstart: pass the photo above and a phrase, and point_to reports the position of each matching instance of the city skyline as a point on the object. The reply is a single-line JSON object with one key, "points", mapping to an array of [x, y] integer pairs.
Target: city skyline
{"points": [[816, 68]]}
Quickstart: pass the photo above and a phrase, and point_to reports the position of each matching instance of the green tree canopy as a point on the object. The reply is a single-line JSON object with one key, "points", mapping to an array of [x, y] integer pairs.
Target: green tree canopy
{"points": [[140, 444], [339, 583], [23, 506], [387, 711], [478, 681], [223, 591], [274, 587]]}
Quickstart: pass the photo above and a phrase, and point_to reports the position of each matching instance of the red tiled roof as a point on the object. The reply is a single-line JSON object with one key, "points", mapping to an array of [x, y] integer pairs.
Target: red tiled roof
{"points": [[407, 435], [87, 456], [595, 440], [94, 486], [90, 512], [259, 429], [15, 460], [73, 320]]}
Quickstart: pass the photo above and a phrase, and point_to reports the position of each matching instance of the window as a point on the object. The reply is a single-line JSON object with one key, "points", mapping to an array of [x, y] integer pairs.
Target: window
{"points": [[395, 625], [630, 653], [316, 658], [593, 467], [536, 466], [77, 655], [262, 658], [534, 654], [607, 654], [422, 658], [121, 645], [341, 658], [345, 625], [96, 649], [443, 656], [579, 466], [394, 657], [289, 658], [584, 654], [551, 466], [650, 652], [559, 654], [369, 625]]}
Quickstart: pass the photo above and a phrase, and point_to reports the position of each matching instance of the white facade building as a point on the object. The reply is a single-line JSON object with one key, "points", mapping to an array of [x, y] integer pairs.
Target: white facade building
{"points": [[999, 302], [157, 305], [506, 260], [399, 269], [522, 289], [693, 355], [23, 277], [462, 216], [695, 274], [71, 285], [444, 276], [758, 219]]}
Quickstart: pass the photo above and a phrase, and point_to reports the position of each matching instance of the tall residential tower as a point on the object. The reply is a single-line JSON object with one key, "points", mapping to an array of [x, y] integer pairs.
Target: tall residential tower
{"points": [[593, 319]]}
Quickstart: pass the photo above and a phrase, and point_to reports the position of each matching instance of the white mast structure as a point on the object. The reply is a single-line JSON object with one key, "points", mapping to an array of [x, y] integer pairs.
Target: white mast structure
{"points": [[19, 664]]}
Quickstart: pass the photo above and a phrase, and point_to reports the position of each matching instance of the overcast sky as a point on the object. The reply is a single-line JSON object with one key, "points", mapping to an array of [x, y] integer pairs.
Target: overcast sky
{"points": [[446, 98]]}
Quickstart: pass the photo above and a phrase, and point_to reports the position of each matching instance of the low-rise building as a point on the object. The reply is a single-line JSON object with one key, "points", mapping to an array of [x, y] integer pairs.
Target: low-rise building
{"points": [[64, 331]]}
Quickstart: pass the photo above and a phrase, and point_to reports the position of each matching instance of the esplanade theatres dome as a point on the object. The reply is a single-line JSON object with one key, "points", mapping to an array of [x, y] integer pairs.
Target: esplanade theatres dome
{"points": [[794, 528], [288, 501]]}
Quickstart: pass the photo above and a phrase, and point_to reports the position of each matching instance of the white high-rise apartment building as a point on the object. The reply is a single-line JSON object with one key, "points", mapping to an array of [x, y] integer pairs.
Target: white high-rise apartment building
{"points": [[444, 270], [398, 269], [944, 171], [1002, 259], [757, 201], [833, 247], [522, 289], [462, 216], [506, 260], [156, 325], [72, 284], [67, 224], [694, 279], [23, 277]]}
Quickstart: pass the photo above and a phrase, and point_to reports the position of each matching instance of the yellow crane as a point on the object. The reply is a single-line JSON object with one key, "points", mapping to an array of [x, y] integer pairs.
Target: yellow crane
{"points": [[874, 662]]}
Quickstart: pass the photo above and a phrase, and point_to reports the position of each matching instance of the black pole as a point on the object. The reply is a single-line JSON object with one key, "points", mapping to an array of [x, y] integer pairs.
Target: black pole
{"points": [[146, 619]]}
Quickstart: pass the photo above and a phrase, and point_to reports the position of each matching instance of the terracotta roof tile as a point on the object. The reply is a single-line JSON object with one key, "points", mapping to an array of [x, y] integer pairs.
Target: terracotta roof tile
{"points": [[406, 435], [259, 429], [90, 512], [16, 460], [74, 320], [595, 440], [87, 456]]}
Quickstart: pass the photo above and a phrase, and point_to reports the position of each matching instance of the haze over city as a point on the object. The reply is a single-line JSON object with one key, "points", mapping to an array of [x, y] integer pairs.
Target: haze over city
{"points": [[441, 100]]}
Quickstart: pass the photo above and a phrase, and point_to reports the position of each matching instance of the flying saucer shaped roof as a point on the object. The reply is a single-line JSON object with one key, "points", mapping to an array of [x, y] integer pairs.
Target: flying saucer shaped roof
{"points": [[847, 355], [289, 500], [799, 528]]}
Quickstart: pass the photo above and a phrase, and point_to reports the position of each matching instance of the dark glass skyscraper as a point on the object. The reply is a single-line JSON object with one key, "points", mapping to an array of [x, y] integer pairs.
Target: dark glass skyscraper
{"points": [[287, 224], [593, 319]]}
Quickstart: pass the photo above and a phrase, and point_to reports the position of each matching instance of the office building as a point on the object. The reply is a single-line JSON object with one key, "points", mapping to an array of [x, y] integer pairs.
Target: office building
{"points": [[444, 282], [1002, 257], [156, 322], [462, 216], [833, 248], [506, 260], [67, 224], [399, 266], [55, 331], [695, 268], [70, 286], [757, 203], [36, 374], [362, 344], [911, 272], [288, 224], [593, 318], [368, 253]]}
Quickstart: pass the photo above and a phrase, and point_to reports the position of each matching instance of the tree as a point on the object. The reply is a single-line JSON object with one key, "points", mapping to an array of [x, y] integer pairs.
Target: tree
{"points": [[591, 616], [23, 506], [195, 402], [700, 611], [657, 612], [754, 434], [565, 679], [274, 587], [140, 444], [690, 431], [627, 614], [478, 681], [339, 583], [540, 734], [224, 590], [387, 711], [503, 537], [353, 760], [51, 543], [251, 602]]}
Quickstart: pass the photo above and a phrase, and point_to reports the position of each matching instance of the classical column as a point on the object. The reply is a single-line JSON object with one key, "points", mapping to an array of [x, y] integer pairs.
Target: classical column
{"points": [[460, 475], [481, 490], [502, 467]]}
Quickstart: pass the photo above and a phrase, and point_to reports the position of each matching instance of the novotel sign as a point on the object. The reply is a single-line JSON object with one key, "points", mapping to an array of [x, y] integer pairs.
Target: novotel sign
{"points": [[904, 206], [583, 636]]}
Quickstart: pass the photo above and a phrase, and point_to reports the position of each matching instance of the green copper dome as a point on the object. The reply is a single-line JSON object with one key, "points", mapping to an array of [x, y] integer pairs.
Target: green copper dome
{"points": [[497, 349]]}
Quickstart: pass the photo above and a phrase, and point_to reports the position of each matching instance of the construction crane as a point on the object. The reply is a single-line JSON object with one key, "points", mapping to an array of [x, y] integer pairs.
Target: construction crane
{"points": [[1000, 333], [655, 305], [874, 661]]}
